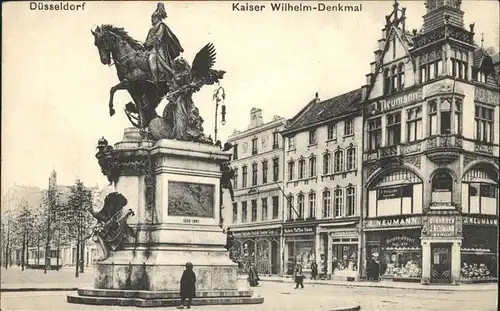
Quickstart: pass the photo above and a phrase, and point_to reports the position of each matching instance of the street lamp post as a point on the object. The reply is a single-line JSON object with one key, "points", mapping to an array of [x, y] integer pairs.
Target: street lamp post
{"points": [[218, 97]]}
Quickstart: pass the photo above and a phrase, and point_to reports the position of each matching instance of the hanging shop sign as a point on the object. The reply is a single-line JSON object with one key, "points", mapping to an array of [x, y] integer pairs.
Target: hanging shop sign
{"points": [[388, 103], [394, 222], [256, 233], [395, 192], [469, 220], [441, 226], [300, 230]]}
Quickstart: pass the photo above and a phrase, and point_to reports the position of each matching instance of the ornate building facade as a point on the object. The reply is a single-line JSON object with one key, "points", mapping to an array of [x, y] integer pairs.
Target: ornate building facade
{"points": [[431, 147], [256, 215], [322, 184]]}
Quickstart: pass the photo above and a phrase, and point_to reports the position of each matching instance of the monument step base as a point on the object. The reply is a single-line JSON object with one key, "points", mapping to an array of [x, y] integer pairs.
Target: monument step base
{"points": [[146, 294], [160, 302]]}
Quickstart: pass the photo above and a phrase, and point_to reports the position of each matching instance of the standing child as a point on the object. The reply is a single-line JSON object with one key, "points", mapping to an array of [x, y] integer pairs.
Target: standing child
{"points": [[188, 290]]}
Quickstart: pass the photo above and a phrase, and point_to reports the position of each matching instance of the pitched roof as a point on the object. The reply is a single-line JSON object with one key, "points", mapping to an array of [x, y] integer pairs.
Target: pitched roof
{"points": [[318, 111]]}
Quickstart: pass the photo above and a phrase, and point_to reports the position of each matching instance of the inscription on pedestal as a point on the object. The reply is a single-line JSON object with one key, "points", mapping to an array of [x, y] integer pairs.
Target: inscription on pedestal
{"points": [[190, 199]]}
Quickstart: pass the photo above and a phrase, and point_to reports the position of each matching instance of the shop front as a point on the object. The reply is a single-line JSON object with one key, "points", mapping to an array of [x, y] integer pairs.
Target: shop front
{"points": [[479, 249], [300, 247], [393, 244], [259, 246], [441, 240], [339, 252]]}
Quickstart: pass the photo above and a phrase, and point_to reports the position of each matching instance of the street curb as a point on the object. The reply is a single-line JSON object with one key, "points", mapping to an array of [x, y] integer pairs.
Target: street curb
{"points": [[354, 284], [39, 289]]}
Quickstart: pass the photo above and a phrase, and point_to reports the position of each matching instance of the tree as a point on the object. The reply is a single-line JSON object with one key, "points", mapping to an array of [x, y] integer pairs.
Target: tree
{"points": [[79, 220], [24, 221]]}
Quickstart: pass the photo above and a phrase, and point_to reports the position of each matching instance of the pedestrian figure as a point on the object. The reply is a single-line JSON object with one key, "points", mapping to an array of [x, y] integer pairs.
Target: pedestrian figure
{"points": [[188, 289], [299, 277], [314, 270], [253, 277], [373, 268]]}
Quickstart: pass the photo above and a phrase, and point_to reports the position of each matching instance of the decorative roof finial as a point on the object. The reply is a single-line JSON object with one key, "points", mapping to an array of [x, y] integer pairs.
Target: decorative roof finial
{"points": [[316, 95], [482, 39]]}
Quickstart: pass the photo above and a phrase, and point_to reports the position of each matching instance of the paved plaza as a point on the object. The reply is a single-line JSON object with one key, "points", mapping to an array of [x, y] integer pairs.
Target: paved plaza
{"points": [[277, 295]]}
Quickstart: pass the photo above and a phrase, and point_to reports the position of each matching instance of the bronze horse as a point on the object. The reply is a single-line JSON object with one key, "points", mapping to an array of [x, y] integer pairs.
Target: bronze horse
{"points": [[131, 62]]}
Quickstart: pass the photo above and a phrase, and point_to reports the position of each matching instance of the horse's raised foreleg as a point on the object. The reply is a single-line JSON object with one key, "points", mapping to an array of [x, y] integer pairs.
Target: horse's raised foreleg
{"points": [[123, 85]]}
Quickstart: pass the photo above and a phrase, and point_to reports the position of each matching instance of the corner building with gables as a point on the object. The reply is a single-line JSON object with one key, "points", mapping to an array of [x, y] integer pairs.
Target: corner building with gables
{"points": [[323, 185], [431, 147], [257, 214]]}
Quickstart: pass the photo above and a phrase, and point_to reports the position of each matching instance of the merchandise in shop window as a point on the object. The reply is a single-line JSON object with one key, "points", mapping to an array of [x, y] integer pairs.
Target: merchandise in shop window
{"points": [[475, 271], [402, 265]]}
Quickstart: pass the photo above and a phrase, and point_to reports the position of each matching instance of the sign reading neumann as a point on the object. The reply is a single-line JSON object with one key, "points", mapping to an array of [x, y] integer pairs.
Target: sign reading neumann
{"points": [[400, 100], [394, 222]]}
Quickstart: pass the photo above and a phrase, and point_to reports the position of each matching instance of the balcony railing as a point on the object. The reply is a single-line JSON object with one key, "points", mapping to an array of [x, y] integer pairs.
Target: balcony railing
{"points": [[390, 151], [444, 141]]}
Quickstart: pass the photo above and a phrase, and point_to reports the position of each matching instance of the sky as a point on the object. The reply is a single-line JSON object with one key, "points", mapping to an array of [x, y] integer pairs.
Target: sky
{"points": [[55, 89]]}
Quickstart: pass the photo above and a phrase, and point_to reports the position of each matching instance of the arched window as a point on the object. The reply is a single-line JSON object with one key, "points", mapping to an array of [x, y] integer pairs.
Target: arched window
{"points": [[339, 203], [387, 82], [300, 203], [351, 158], [442, 187], [350, 201], [302, 168], [291, 169], [394, 77], [481, 184], [327, 204], [401, 77], [327, 160], [312, 166], [339, 161], [312, 205], [290, 208]]}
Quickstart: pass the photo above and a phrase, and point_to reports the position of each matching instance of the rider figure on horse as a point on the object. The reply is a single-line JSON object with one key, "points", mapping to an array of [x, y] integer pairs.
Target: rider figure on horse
{"points": [[162, 45]]}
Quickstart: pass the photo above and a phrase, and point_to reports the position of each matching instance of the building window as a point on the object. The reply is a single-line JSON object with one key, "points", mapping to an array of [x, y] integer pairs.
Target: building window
{"points": [[332, 131], [431, 70], [414, 123], [327, 204], [312, 166], [275, 207], [445, 116], [275, 140], [235, 212], [423, 73], [290, 207], [351, 201], [291, 169], [484, 124], [374, 133], [339, 161], [235, 183], [327, 160], [401, 77], [387, 82], [339, 203], [300, 203], [351, 158], [254, 146], [302, 168], [393, 129], [254, 210], [276, 169], [244, 177], [348, 127], [264, 209], [254, 174], [394, 78], [458, 116], [312, 205], [235, 152], [291, 143], [313, 139], [442, 185], [433, 127], [459, 64], [484, 196], [264, 172], [244, 212]]}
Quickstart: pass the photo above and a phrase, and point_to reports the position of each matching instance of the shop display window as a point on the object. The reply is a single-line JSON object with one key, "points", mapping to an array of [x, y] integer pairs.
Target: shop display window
{"points": [[300, 252], [400, 256], [479, 253], [344, 259], [478, 266]]}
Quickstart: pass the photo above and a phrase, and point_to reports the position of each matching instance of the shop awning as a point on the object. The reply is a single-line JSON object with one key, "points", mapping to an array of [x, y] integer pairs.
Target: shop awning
{"points": [[337, 224]]}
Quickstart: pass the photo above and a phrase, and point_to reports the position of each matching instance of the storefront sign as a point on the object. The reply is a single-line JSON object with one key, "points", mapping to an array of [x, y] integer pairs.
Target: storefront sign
{"points": [[468, 220], [255, 233], [394, 222], [486, 96], [441, 226], [394, 102], [400, 241], [395, 192], [300, 230], [344, 234]]}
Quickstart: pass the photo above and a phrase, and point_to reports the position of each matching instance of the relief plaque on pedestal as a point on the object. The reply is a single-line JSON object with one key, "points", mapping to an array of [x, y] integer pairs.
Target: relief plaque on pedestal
{"points": [[190, 199]]}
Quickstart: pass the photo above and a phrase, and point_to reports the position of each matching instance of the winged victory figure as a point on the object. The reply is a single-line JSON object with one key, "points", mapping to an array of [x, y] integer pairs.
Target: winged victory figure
{"points": [[181, 119]]}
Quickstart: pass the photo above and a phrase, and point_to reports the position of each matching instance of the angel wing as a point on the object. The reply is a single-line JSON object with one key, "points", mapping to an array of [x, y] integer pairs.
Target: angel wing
{"points": [[201, 70]]}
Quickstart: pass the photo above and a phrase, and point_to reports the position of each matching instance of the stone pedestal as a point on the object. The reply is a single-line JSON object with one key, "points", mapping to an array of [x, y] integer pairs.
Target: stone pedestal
{"points": [[173, 188]]}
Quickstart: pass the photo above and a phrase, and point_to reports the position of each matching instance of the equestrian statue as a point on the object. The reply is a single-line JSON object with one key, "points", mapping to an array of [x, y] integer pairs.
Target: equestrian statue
{"points": [[155, 71]]}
